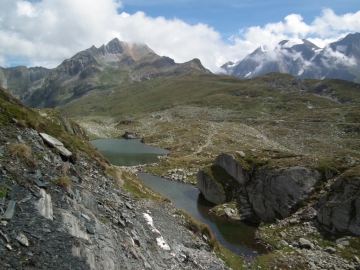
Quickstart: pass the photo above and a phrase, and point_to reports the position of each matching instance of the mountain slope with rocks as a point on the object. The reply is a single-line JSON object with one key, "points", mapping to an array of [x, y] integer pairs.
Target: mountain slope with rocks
{"points": [[18, 80], [116, 64], [301, 58], [70, 211]]}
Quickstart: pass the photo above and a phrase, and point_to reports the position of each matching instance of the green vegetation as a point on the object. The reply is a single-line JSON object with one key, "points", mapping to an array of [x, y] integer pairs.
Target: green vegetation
{"points": [[63, 181], [23, 152], [134, 186], [3, 191]]}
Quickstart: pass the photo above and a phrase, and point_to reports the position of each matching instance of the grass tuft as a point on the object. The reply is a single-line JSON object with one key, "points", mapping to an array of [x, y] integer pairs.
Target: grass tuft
{"points": [[21, 151], [64, 181]]}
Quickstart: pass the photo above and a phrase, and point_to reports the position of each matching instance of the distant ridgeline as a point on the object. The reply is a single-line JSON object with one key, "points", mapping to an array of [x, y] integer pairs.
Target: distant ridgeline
{"points": [[117, 63], [301, 58]]}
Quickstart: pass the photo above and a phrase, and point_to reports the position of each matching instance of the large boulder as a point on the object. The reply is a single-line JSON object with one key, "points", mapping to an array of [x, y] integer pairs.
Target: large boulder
{"points": [[56, 144], [216, 184], [212, 191], [232, 166], [276, 193], [339, 210]]}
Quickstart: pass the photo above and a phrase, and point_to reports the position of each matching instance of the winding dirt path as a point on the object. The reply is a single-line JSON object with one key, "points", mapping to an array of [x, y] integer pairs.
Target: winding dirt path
{"points": [[211, 134]]}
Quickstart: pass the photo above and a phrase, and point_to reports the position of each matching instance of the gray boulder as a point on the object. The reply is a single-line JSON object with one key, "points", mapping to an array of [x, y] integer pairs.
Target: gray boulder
{"points": [[130, 135], [57, 144], [230, 164], [212, 191], [339, 210], [277, 193]]}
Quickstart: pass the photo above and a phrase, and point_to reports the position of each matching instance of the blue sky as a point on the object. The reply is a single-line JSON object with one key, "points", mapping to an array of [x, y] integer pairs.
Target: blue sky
{"points": [[45, 32], [229, 16]]}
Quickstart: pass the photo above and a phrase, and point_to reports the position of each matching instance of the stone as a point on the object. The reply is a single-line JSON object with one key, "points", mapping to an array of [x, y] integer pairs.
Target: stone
{"points": [[210, 189], [343, 241], [330, 250], [241, 153], [293, 221], [356, 259], [22, 239], [6, 238], [57, 144], [41, 184], [304, 243], [229, 163], [130, 135], [20, 139], [86, 217], [340, 211], [90, 228], [44, 205], [10, 210], [275, 193]]}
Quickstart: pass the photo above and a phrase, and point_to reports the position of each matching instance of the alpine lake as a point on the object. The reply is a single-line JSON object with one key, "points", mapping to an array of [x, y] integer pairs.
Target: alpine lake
{"points": [[236, 236]]}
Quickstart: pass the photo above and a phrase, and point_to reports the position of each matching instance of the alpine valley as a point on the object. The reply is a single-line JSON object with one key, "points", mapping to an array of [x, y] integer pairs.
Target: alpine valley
{"points": [[274, 143]]}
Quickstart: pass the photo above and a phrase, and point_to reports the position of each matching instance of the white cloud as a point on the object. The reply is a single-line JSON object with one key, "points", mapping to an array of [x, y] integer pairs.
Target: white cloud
{"points": [[3, 62], [333, 58], [46, 32]]}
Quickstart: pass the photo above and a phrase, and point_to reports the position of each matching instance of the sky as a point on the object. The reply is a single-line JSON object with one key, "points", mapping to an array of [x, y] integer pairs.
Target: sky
{"points": [[45, 32]]}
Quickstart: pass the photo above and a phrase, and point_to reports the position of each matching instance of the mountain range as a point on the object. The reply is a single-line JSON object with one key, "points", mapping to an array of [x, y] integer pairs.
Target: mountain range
{"points": [[120, 63], [100, 68], [303, 59]]}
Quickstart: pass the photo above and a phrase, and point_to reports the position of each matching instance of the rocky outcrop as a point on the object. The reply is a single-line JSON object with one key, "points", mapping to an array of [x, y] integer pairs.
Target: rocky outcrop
{"points": [[271, 193], [339, 210], [277, 193], [229, 163], [212, 191]]}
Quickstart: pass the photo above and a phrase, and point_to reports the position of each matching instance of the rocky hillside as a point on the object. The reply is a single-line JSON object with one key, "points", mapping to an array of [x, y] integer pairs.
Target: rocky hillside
{"points": [[18, 80], [115, 64], [64, 207], [301, 58]]}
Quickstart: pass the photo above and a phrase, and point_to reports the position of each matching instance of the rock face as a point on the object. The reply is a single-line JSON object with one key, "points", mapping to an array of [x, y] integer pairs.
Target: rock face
{"points": [[339, 211], [211, 191], [270, 193], [229, 163], [277, 193]]}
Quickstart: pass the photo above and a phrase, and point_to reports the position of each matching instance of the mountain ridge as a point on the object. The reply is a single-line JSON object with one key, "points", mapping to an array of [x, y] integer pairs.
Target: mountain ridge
{"points": [[337, 60], [117, 63]]}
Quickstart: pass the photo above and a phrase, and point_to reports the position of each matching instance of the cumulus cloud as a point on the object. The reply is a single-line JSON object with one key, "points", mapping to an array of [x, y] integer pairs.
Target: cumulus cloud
{"points": [[334, 58], [45, 32], [326, 28]]}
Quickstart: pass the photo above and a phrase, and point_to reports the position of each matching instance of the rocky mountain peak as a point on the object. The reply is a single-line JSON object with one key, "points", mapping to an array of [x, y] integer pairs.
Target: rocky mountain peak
{"points": [[304, 59], [135, 51]]}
